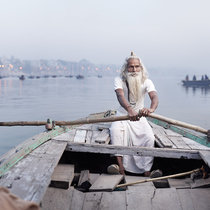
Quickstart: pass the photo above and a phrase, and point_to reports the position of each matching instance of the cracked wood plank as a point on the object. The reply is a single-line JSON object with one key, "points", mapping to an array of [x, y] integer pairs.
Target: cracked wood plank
{"points": [[30, 177]]}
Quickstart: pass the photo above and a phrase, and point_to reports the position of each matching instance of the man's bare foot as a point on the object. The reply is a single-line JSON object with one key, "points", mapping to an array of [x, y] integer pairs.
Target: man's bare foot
{"points": [[147, 173]]}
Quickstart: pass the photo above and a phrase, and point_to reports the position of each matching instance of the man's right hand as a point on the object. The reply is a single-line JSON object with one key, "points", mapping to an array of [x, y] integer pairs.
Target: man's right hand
{"points": [[133, 115]]}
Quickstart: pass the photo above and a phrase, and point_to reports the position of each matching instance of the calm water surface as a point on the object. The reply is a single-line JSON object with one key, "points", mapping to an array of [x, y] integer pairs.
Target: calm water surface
{"points": [[69, 99]]}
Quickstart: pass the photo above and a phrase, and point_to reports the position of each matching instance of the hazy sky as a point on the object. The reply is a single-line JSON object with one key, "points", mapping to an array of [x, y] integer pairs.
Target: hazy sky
{"points": [[164, 33]]}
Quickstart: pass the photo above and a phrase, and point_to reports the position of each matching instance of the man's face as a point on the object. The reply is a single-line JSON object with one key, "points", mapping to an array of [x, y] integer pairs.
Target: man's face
{"points": [[134, 65]]}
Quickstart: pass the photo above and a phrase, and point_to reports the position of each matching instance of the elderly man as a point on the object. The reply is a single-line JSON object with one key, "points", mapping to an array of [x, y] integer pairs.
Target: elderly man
{"points": [[130, 88]]}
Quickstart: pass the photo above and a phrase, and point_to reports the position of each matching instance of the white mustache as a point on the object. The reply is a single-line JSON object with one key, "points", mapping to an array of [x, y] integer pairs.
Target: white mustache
{"points": [[133, 74]]}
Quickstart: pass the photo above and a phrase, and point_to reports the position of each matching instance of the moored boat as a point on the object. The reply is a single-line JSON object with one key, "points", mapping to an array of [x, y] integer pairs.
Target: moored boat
{"points": [[65, 168], [79, 76], [203, 82]]}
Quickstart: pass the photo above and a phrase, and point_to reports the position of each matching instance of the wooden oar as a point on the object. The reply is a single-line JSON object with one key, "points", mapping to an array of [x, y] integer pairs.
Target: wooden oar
{"points": [[108, 119], [159, 178]]}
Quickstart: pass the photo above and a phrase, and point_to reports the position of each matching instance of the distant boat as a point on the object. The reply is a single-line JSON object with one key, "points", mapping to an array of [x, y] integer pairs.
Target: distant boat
{"points": [[79, 76], [99, 76], [31, 77], [198, 83], [22, 77], [70, 76]]}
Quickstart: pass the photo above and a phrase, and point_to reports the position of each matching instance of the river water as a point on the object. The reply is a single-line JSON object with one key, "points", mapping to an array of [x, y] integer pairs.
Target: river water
{"points": [[70, 98]]}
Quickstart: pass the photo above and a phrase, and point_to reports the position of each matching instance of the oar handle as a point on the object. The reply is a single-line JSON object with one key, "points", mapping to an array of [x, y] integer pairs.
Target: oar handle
{"points": [[179, 123], [108, 119]]}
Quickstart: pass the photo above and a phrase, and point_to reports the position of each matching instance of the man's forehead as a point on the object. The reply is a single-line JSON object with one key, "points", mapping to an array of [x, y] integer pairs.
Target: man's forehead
{"points": [[133, 60]]}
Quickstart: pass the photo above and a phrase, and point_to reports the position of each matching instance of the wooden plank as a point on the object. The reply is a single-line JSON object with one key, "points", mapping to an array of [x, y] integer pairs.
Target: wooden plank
{"points": [[80, 136], [205, 155], [68, 136], [162, 137], [93, 177], [165, 199], [89, 137], [62, 176], [179, 142], [141, 151], [30, 177], [96, 133], [197, 199], [194, 145], [200, 183], [130, 179], [103, 137], [84, 176], [139, 198], [106, 182], [12, 157], [92, 200], [113, 200], [180, 183], [55, 199], [77, 200]]}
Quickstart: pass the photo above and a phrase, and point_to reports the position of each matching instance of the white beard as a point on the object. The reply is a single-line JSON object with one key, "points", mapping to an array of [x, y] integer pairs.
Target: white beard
{"points": [[134, 80]]}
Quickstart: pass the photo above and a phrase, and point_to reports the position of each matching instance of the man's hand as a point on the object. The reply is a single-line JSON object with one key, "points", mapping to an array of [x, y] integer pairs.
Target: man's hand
{"points": [[146, 111], [133, 115]]}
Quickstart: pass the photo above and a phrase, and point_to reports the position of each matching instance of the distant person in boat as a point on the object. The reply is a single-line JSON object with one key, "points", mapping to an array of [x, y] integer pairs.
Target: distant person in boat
{"points": [[202, 78], [187, 78], [130, 88], [194, 77], [206, 77]]}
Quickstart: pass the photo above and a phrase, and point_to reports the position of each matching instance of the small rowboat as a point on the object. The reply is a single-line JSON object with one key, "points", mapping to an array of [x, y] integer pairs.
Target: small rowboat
{"points": [[65, 168], [196, 83]]}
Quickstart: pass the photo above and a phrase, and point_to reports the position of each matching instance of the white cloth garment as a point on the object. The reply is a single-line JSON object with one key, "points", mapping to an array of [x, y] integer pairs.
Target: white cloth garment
{"points": [[133, 133]]}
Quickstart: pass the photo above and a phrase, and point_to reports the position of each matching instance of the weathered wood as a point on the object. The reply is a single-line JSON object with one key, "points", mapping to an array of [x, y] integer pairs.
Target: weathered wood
{"points": [[205, 155], [179, 142], [12, 157], [142, 151], [80, 136], [180, 183], [106, 182], [89, 137], [165, 199], [93, 177], [103, 137], [197, 199], [162, 137], [96, 133], [194, 145], [158, 178], [62, 176], [68, 136], [113, 200], [130, 179], [84, 177], [55, 199], [200, 183], [184, 132], [139, 198], [77, 200], [92, 200], [30, 177]]}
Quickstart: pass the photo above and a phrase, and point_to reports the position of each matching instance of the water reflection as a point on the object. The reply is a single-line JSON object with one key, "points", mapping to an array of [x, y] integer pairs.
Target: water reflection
{"points": [[196, 89]]}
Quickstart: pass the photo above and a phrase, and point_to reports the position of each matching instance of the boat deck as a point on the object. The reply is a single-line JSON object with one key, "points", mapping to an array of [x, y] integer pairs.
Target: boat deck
{"points": [[28, 176]]}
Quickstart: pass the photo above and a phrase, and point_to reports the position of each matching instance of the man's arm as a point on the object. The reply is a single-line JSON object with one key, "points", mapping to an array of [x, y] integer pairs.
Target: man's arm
{"points": [[154, 103], [125, 104]]}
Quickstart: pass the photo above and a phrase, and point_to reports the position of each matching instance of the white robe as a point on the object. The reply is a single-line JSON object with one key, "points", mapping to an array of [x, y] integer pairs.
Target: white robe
{"points": [[133, 133]]}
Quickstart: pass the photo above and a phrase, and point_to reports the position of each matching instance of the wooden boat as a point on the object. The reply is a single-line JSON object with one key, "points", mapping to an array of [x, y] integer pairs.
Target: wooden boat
{"points": [[65, 168], [196, 83], [22, 77], [79, 76]]}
